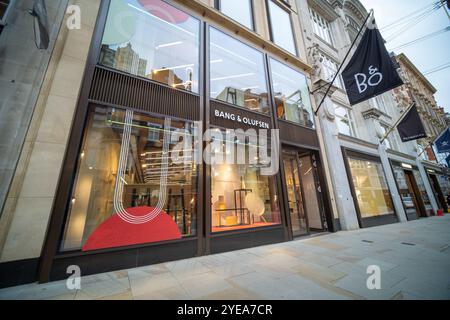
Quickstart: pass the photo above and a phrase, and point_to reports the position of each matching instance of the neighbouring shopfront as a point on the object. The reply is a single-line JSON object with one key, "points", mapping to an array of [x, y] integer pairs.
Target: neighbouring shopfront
{"points": [[370, 189], [440, 184], [135, 188], [412, 191]]}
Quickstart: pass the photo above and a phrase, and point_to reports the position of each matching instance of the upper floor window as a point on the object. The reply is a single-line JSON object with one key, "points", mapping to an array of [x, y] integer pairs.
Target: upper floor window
{"points": [[321, 26], [391, 141], [330, 69], [281, 30], [239, 10], [156, 41], [291, 95], [378, 103], [344, 120], [237, 73]]}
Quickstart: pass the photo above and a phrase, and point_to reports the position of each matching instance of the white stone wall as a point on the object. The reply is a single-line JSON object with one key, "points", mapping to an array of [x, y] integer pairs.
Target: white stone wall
{"points": [[24, 220]]}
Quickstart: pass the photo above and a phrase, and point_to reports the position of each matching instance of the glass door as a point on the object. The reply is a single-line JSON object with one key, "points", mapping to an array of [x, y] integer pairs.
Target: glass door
{"points": [[312, 192], [304, 193], [295, 195]]}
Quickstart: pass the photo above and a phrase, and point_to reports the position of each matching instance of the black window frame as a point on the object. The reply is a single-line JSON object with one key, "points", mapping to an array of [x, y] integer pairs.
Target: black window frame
{"points": [[282, 4], [217, 5]]}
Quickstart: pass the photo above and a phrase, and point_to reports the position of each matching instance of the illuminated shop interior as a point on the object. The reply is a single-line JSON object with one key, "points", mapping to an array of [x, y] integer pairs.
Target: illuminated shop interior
{"points": [[241, 196]]}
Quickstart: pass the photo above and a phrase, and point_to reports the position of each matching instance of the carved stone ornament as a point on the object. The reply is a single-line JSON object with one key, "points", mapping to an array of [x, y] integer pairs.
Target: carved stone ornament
{"points": [[329, 111], [372, 114], [316, 60], [379, 130]]}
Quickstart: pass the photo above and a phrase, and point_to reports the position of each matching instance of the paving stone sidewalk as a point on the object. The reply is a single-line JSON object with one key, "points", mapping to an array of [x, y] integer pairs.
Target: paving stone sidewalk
{"points": [[414, 258]]}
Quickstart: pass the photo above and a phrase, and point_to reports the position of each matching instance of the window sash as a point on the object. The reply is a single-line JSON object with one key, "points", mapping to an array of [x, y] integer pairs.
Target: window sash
{"points": [[291, 46], [246, 4], [321, 26]]}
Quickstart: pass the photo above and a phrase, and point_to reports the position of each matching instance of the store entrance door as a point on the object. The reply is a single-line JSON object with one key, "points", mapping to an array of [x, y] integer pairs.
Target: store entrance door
{"points": [[304, 193], [415, 195]]}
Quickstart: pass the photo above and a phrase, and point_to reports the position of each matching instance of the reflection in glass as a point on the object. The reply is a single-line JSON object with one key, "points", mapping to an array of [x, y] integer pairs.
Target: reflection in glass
{"points": [[282, 32], [291, 95], [154, 40], [106, 162], [241, 196], [406, 192], [239, 10], [294, 192], [237, 73], [371, 188], [423, 193]]}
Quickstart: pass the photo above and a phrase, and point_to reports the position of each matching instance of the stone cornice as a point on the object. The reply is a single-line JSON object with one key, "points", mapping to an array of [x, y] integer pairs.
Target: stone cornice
{"points": [[321, 86], [372, 114], [358, 10], [358, 141], [324, 8], [401, 154]]}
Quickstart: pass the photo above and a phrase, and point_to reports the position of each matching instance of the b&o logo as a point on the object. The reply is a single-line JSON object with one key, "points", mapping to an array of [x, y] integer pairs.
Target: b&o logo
{"points": [[364, 81]]}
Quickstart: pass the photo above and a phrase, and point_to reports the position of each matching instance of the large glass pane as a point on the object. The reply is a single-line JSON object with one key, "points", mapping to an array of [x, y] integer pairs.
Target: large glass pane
{"points": [[239, 10], [130, 188], [343, 120], [241, 196], [294, 192], [444, 184], [406, 192], [312, 205], [371, 188], [423, 192], [291, 95], [281, 27], [237, 73], [154, 40]]}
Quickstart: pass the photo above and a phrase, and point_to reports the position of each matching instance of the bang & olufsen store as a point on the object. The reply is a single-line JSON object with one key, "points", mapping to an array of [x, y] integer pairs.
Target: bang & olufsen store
{"points": [[157, 73]]}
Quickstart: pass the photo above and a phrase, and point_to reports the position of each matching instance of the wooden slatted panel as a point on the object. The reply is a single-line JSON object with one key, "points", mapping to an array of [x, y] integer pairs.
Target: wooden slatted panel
{"points": [[119, 89]]}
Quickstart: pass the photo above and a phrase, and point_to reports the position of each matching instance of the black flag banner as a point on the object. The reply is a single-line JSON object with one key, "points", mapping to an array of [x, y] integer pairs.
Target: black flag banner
{"points": [[371, 71], [411, 127]]}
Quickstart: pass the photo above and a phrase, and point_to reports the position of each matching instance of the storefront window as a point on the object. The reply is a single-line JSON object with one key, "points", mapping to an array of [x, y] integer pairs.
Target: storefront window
{"points": [[291, 95], [154, 40], [405, 191], [241, 196], [237, 73], [371, 188], [239, 10], [423, 192], [444, 183], [134, 183], [281, 27]]}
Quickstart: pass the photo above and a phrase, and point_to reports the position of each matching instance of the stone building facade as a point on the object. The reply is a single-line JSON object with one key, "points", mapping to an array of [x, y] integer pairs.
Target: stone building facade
{"points": [[352, 134]]}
